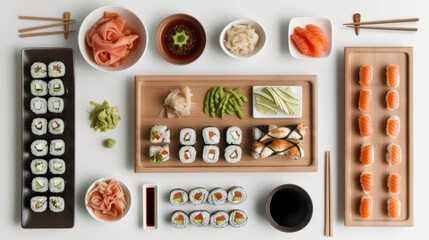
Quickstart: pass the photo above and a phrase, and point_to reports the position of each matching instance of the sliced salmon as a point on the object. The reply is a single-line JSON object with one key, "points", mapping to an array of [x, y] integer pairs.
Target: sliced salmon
{"points": [[302, 44], [365, 125], [365, 75], [312, 39], [318, 32], [365, 100], [392, 100], [392, 72], [393, 126], [394, 183]]}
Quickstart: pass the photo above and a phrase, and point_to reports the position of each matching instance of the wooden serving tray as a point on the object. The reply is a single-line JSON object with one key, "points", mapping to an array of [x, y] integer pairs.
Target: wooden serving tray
{"points": [[379, 58], [150, 92]]}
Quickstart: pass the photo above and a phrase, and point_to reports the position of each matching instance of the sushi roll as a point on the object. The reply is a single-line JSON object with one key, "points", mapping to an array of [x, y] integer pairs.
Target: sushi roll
{"points": [[392, 76], [393, 155], [394, 208], [211, 135], [38, 70], [393, 126], [179, 219], [219, 219], [39, 166], [265, 133], [217, 196], [365, 208], [38, 105], [211, 154], [55, 105], [56, 69], [39, 148], [365, 75], [178, 197], [159, 134], [234, 135], [199, 218], [56, 126], [237, 218], [365, 100], [367, 182], [367, 154], [39, 126], [365, 126], [187, 154], [57, 147], [56, 184], [57, 166], [278, 147], [159, 154], [39, 88], [198, 196], [392, 100], [56, 204], [233, 154], [394, 183], [39, 184], [236, 195], [56, 87], [188, 136], [39, 203]]}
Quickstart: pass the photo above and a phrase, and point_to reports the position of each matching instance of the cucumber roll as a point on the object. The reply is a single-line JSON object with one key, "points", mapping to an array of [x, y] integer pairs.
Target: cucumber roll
{"points": [[211, 154], [198, 196], [38, 105], [159, 154], [187, 154], [39, 88], [39, 166], [200, 218], [56, 204], [39, 148], [39, 126], [56, 87], [233, 154], [55, 105], [38, 70], [57, 147], [236, 195], [179, 219], [39, 184], [211, 135], [234, 135], [237, 218], [57, 166], [178, 197], [219, 219], [217, 196], [159, 134], [56, 184], [56, 126], [39, 203], [188, 136], [56, 69]]}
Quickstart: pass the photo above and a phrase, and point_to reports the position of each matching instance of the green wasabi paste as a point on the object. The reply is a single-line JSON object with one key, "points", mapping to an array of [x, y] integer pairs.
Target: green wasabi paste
{"points": [[109, 143], [104, 117]]}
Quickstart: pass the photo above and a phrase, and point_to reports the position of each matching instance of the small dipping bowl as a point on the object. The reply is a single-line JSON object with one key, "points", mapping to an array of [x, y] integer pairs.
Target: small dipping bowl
{"points": [[161, 44], [289, 208]]}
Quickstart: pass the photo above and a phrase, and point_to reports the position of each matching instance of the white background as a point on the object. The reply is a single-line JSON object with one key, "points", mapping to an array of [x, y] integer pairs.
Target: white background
{"points": [[94, 161]]}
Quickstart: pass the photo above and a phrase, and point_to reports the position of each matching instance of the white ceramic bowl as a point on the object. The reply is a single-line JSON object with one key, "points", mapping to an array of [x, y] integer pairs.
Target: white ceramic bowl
{"points": [[127, 194], [132, 20], [259, 30], [323, 23]]}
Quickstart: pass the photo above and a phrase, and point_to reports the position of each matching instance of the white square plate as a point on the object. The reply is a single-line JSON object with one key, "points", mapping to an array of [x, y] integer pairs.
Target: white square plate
{"points": [[280, 113]]}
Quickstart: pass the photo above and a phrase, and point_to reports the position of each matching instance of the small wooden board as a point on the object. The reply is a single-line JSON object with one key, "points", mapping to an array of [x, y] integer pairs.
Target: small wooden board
{"points": [[379, 58], [150, 92]]}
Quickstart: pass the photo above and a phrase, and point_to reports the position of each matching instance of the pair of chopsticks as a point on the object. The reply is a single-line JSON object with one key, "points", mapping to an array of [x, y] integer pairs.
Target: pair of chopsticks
{"points": [[66, 21], [328, 196], [359, 24]]}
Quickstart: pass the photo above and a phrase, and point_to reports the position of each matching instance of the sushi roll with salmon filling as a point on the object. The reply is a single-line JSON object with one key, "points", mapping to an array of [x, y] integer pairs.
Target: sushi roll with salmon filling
{"points": [[39, 184], [159, 154], [55, 105], [56, 69], [56, 184], [56, 204], [57, 166], [188, 136], [234, 135], [39, 88], [392, 76], [237, 218], [211, 135], [39, 166], [38, 105], [38, 70], [159, 134], [178, 197], [233, 154], [198, 196], [57, 147], [217, 196], [39, 148], [56, 87], [210, 154], [393, 126], [39, 203], [219, 219], [236, 195], [56, 126], [39, 126], [393, 155], [179, 219], [365, 75], [187, 154], [199, 218]]}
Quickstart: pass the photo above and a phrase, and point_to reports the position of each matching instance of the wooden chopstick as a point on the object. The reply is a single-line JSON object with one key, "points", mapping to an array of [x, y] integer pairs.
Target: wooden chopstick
{"points": [[44, 26], [45, 18], [384, 21], [331, 226], [66, 27], [43, 33], [386, 28], [328, 196]]}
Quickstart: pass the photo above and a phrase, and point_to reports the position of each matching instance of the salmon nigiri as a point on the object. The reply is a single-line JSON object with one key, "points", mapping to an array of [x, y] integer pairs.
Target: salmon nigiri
{"points": [[393, 126], [392, 74], [393, 155], [318, 32], [367, 154], [365, 125], [365, 100], [367, 182], [394, 183], [392, 100], [394, 208], [302, 44], [365, 208], [312, 39], [365, 75]]}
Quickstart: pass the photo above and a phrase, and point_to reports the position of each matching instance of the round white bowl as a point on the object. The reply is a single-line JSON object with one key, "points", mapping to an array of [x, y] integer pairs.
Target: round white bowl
{"points": [[259, 30], [132, 20], [127, 194]]}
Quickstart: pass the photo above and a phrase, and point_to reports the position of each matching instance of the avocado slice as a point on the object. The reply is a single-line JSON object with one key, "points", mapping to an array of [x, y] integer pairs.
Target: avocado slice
{"points": [[238, 220], [220, 222], [180, 199], [236, 199], [180, 222], [199, 221], [58, 186], [38, 186]]}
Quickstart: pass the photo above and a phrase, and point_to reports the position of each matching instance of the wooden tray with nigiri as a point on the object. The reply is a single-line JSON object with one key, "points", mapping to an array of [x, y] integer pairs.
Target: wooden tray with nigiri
{"points": [[378, 136]]}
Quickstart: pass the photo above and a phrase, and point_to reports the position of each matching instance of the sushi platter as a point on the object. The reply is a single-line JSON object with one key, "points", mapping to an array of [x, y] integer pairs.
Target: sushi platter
{"points": [[378, 154], [151, 90]]}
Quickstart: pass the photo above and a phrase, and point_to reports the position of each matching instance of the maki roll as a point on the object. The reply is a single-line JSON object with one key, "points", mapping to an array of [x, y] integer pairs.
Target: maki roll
{"points": [[211, 135], [237, 218], [188, 136], [57, 166], [56, 87], [56, 69], [56, 126], [159, 154], [179, 219], [178, 197], [56, 204], [219, 219], [39, 148], [39, 203], [38, 105], [39, 126], [39, 88], [159, 134], [198, 196], [217, 196], [57, 147], [200, 218], [187, 154], [55, 105], [210, 154], [56, 184], [38, 70], [234, 135], [233, 154], [39, 166], [236, 195], [39, 184]]}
